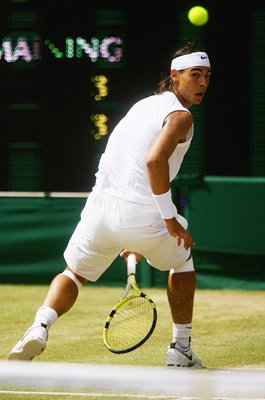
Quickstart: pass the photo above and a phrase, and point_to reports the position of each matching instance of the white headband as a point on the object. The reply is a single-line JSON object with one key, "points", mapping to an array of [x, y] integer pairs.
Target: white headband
{"points": [[197, 59]]}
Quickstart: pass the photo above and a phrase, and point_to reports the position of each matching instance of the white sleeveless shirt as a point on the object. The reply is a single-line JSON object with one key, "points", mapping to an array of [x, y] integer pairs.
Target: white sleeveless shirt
{"points": [[122, 168]]}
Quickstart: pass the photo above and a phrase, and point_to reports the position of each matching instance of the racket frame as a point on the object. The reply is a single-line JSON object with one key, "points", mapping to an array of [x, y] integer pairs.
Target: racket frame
{"points": [[131, 284]]}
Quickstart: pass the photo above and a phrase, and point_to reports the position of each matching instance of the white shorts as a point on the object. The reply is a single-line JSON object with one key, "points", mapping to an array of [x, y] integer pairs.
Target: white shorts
{"points": [[108, 225]]}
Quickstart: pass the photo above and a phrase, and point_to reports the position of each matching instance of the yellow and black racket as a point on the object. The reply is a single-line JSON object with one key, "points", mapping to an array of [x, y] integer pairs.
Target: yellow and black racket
{"points": [[133, 319]]}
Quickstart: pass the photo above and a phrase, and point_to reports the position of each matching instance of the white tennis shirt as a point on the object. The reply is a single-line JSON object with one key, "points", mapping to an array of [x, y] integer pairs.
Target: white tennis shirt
{"points": [[122, 168]]}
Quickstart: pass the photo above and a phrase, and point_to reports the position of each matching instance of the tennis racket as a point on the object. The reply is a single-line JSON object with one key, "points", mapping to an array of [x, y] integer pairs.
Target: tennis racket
{"points": [[133, 319]]}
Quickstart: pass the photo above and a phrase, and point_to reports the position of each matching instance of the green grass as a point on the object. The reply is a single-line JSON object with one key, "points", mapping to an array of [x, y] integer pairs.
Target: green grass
{"points": [[228, 328]]}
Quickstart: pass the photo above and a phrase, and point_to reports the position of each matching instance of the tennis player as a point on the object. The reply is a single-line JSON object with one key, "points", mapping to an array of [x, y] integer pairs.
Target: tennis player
{"points": [[130, 208]]}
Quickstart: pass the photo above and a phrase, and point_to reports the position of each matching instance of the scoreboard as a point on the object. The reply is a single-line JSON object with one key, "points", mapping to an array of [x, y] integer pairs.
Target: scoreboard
{"points": [[70, 70], [63, 80]]}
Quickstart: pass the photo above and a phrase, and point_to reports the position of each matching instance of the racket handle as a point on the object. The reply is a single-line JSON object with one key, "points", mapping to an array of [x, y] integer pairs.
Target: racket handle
{"points": [[131, 264]]}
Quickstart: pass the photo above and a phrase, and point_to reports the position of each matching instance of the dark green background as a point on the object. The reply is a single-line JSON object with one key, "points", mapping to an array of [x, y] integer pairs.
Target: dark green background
{"points": [[228, 226]]}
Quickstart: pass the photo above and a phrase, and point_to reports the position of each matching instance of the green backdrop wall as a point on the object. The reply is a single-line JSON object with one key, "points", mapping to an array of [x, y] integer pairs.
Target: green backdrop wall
{"points": [[226, 218]]}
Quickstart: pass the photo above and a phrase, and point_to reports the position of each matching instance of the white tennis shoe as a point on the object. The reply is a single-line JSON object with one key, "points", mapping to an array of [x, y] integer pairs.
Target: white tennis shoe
{"points": [[176, 357], [32, 344]]}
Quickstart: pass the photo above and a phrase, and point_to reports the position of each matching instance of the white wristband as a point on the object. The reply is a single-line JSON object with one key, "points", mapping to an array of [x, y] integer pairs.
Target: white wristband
{"points": [[165, 205]]}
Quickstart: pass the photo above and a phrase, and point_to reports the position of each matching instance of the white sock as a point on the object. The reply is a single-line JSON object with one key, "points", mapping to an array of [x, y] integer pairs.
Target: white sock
{"points": [[46, 316], [181, 335]]}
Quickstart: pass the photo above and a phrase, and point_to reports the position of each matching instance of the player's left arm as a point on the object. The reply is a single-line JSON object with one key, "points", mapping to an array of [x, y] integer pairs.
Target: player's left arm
{"points": [[174, 131]]}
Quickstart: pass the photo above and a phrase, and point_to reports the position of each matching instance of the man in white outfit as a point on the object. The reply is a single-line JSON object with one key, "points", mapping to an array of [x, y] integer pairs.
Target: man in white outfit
{"points": [[130, 208]]}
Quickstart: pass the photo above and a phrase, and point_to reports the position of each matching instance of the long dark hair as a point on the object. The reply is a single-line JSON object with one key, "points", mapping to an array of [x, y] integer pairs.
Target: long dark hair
{"points": [[165, 82]]}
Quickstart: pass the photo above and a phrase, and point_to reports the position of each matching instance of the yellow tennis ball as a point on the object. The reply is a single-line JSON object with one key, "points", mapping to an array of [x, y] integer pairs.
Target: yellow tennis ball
{"points": [[198, 15]]}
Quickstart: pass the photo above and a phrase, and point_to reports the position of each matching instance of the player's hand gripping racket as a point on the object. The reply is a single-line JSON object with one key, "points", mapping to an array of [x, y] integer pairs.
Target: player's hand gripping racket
{"points": [[133, 319]]}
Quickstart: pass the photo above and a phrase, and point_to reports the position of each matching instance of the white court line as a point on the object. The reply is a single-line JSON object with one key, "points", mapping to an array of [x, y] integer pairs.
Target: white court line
{"points": [[115, 395], [138, 396]]}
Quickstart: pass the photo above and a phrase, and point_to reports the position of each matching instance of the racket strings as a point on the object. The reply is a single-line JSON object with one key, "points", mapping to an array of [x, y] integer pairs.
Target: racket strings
{"points": [[131, 323]]}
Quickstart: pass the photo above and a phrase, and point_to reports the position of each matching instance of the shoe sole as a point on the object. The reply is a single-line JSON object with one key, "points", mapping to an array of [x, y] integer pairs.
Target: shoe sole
{"points": [[30, 350]]}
